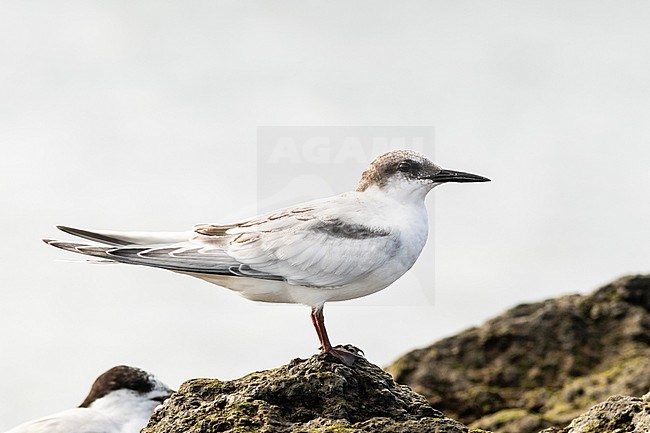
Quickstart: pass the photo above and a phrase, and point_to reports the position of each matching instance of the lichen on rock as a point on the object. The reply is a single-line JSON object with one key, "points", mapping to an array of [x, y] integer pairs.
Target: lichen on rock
{"points": [[317, 395], [542, 364], [618, 413]]}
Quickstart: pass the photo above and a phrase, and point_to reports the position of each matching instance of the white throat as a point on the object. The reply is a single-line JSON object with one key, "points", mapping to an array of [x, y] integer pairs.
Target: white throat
{"points": [[403, 192], [129, 410]]}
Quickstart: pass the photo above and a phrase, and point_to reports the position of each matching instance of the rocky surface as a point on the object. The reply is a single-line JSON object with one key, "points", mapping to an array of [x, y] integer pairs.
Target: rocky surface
{"points": [[617, 414], [318, 395], [540, 365]]}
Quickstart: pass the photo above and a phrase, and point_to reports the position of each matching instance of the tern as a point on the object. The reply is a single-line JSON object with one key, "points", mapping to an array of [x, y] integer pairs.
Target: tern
{"points": [[120, 401], [333, 249]]}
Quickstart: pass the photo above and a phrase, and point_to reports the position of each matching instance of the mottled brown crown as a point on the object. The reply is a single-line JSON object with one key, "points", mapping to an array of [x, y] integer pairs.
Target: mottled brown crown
{"points": [[384, 167]]}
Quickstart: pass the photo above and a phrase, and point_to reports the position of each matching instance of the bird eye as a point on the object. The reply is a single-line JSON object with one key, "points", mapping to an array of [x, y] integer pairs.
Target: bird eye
{"points": [[404, 166]]}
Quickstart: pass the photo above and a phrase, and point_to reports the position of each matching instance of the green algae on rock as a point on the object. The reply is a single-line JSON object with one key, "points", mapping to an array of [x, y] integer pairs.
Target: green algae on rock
{"points": [[617, 414], [317, 395], [539, 365]]}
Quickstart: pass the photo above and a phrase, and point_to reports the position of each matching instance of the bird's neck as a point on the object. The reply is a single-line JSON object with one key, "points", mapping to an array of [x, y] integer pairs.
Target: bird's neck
{"points": [[399, 194], [130, 411], [402, 212]]}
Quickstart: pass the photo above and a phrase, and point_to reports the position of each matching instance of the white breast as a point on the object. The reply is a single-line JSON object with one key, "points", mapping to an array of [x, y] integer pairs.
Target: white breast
{"points": [[407, 218], [410, 221]]}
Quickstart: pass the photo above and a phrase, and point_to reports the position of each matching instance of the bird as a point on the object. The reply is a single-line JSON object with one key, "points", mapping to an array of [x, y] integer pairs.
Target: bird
{"points": [[331, 249], [121, 400]]}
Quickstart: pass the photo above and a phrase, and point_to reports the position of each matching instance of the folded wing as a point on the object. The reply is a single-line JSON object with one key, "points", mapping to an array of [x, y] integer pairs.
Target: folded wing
{"points": [[316, 245], [308, 246]]}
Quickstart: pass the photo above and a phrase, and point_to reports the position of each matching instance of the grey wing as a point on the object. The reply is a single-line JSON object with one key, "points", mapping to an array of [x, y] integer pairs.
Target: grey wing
{"points": [[181, 257], [311, 247]]}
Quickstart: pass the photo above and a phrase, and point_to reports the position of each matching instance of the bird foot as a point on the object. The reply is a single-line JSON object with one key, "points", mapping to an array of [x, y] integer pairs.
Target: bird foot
{"points": [[347, 353]]}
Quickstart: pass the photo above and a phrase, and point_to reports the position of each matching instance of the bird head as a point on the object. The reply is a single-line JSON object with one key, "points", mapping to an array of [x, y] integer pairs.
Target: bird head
{"points": [[409, 174], [123, 383]]}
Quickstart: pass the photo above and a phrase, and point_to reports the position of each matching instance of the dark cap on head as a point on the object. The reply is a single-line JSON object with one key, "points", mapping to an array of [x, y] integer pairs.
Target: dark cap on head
{"points": [[387, 165], [120, 377]]}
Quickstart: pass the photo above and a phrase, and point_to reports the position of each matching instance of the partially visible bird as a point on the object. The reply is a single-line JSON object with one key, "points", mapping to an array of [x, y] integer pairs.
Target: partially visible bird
{"points": [[120, 401], [333, 249]]}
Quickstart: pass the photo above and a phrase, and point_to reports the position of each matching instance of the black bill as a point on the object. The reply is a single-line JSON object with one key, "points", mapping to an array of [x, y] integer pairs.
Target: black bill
{"points": [[457, 176]]}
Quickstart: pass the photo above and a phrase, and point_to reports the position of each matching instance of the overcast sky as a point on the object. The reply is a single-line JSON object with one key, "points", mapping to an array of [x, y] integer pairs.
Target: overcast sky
{"points": [[144, 116]]}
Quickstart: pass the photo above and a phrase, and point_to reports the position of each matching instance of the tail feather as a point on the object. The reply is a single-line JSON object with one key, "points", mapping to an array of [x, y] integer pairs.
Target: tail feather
{"points": [[189, 260], [95, 251], [121, 239], [178, 257], [103, 238]]}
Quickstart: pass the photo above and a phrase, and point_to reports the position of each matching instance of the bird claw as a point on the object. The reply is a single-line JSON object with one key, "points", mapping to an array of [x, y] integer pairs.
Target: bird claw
{"points": [[347, 353], [353, 349]]}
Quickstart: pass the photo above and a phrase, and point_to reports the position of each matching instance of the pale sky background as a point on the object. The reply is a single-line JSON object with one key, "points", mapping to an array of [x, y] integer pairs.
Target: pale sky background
{"points": [[143, 115]]}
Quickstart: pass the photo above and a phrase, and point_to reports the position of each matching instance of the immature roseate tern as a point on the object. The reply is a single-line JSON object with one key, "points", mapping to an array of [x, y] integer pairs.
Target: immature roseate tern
{"points": [[120, 401], [332, 249]]}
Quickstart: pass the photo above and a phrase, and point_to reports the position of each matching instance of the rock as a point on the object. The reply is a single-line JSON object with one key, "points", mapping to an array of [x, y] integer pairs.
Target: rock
{"points": [[617, 414], [513, 421], [315, 395], [539, 365]]}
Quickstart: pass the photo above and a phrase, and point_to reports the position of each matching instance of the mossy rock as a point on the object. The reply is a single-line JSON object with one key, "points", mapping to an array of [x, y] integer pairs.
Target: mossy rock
{"points": [[551, 359], [318, 395]]}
